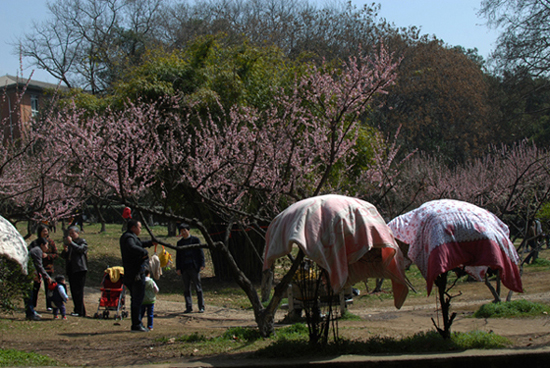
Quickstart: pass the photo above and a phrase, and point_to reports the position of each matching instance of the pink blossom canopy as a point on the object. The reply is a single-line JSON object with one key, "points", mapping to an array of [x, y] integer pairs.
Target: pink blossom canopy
{"points": [[345, 236], [445, 234]]}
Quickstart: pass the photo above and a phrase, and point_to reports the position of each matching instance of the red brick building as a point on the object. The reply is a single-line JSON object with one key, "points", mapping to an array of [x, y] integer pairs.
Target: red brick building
{"points": [[17, 109]]}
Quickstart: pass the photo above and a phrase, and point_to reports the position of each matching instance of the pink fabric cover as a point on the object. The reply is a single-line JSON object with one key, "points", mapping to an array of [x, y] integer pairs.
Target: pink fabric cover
{"points": [[337, 233], [445, 234]]}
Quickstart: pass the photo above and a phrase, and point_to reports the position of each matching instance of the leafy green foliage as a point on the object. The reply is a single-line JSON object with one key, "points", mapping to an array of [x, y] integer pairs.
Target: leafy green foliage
{"points": [[544, 212], [207, 73], [15, 285], [348, 316], [479, 340], [14, 358], [516, 308], [241, 333], [296, 331], [539, 262], [194, 337]]}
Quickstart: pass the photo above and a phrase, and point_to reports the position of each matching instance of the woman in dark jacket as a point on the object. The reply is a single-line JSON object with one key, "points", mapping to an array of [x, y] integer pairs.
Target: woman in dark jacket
{"points": [[43, 231], [75, 253]]}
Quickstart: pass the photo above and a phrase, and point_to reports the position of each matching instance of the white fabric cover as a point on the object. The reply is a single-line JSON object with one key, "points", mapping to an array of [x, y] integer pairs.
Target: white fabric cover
{"points": [[12, 244]]}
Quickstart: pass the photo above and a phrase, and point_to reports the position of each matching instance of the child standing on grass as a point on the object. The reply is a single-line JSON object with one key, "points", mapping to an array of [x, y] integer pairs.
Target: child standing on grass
{"points": [[151, 290], [59, 297]]}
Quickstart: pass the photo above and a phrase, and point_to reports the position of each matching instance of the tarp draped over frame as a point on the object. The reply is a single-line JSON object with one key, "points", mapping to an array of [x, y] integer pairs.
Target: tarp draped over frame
{"points": [[12, 244], [446, 234], [345, 236]]}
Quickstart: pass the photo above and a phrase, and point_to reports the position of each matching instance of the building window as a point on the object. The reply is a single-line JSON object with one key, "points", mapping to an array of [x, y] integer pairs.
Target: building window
{"points": [[34, 105]]}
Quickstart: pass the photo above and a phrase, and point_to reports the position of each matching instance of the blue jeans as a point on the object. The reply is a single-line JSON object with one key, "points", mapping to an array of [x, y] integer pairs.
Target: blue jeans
{"points": [[150, 313]]}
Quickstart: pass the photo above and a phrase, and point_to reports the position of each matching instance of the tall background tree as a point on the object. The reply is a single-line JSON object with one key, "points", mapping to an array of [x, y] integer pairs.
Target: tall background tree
{"points": [[87, 43], [525, 33]]}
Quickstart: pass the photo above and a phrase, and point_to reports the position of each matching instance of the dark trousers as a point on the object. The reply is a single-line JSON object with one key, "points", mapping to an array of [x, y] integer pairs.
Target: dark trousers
{"points": [[59, 307], [137, 290], [150, 309], [29, 302], [77, 280], [191, 275], [48, 300], [35, 290]]}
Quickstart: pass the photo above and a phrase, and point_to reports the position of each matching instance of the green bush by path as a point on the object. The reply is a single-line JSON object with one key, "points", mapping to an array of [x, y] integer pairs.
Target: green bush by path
{"points": [[424, 342], [14, 358], [516, 308], [15, 285], [293, 342]]}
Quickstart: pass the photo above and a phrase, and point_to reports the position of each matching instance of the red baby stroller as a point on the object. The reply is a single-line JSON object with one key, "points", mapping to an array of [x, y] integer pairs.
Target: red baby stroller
{"points": [[112, 294]]}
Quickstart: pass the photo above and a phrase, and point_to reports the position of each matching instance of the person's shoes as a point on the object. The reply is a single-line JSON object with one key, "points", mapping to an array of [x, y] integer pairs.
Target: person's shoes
{"points": [[150, 328], [188, 311], [34, 317], [201, 310], [55, 317], [49, 309], [64, 318], [37, 315], [75, 314], [139, 329]]}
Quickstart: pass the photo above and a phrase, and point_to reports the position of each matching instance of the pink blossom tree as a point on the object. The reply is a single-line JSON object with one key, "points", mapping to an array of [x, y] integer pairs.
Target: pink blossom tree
{"points": [[30, 188], [246, 165]]}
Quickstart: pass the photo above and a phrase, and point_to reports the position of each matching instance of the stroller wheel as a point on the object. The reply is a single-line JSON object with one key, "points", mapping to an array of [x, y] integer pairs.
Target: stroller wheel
{"points": [[106, 314], [96, 315]]}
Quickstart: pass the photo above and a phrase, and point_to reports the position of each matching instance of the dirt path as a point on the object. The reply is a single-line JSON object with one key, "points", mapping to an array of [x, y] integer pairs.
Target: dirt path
{"points": [[97, 342]]}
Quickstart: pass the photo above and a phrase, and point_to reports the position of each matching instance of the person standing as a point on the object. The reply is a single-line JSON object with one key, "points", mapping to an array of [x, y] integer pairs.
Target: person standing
{"points": [[59, 297], [43, 231], [75, 252], [151, 291], [37, 251], [135, 260], [189, 264]]}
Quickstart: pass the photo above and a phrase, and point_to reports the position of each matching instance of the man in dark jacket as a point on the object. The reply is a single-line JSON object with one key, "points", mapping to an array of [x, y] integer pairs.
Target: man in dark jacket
{"points": [[37, 251], [135, 259], [75, 252], [189, 264]]}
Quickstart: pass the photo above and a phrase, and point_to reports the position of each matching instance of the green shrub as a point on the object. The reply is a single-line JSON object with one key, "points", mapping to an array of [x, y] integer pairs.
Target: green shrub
{"points": [[348, 316], [15, 285], [424, 342], [13, 358], [194, 337], [516, 308], [540, 262], [479, 340], [295, 331], [241, 333]]}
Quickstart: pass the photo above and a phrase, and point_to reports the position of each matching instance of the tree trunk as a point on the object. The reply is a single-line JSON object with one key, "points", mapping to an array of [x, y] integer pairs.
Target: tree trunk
{"points": [[267, 284], [100, 217], [445, 302]]}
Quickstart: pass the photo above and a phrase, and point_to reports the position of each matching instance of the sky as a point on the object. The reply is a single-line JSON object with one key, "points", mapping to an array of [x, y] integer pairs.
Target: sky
{"points": [[453, 21]]}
